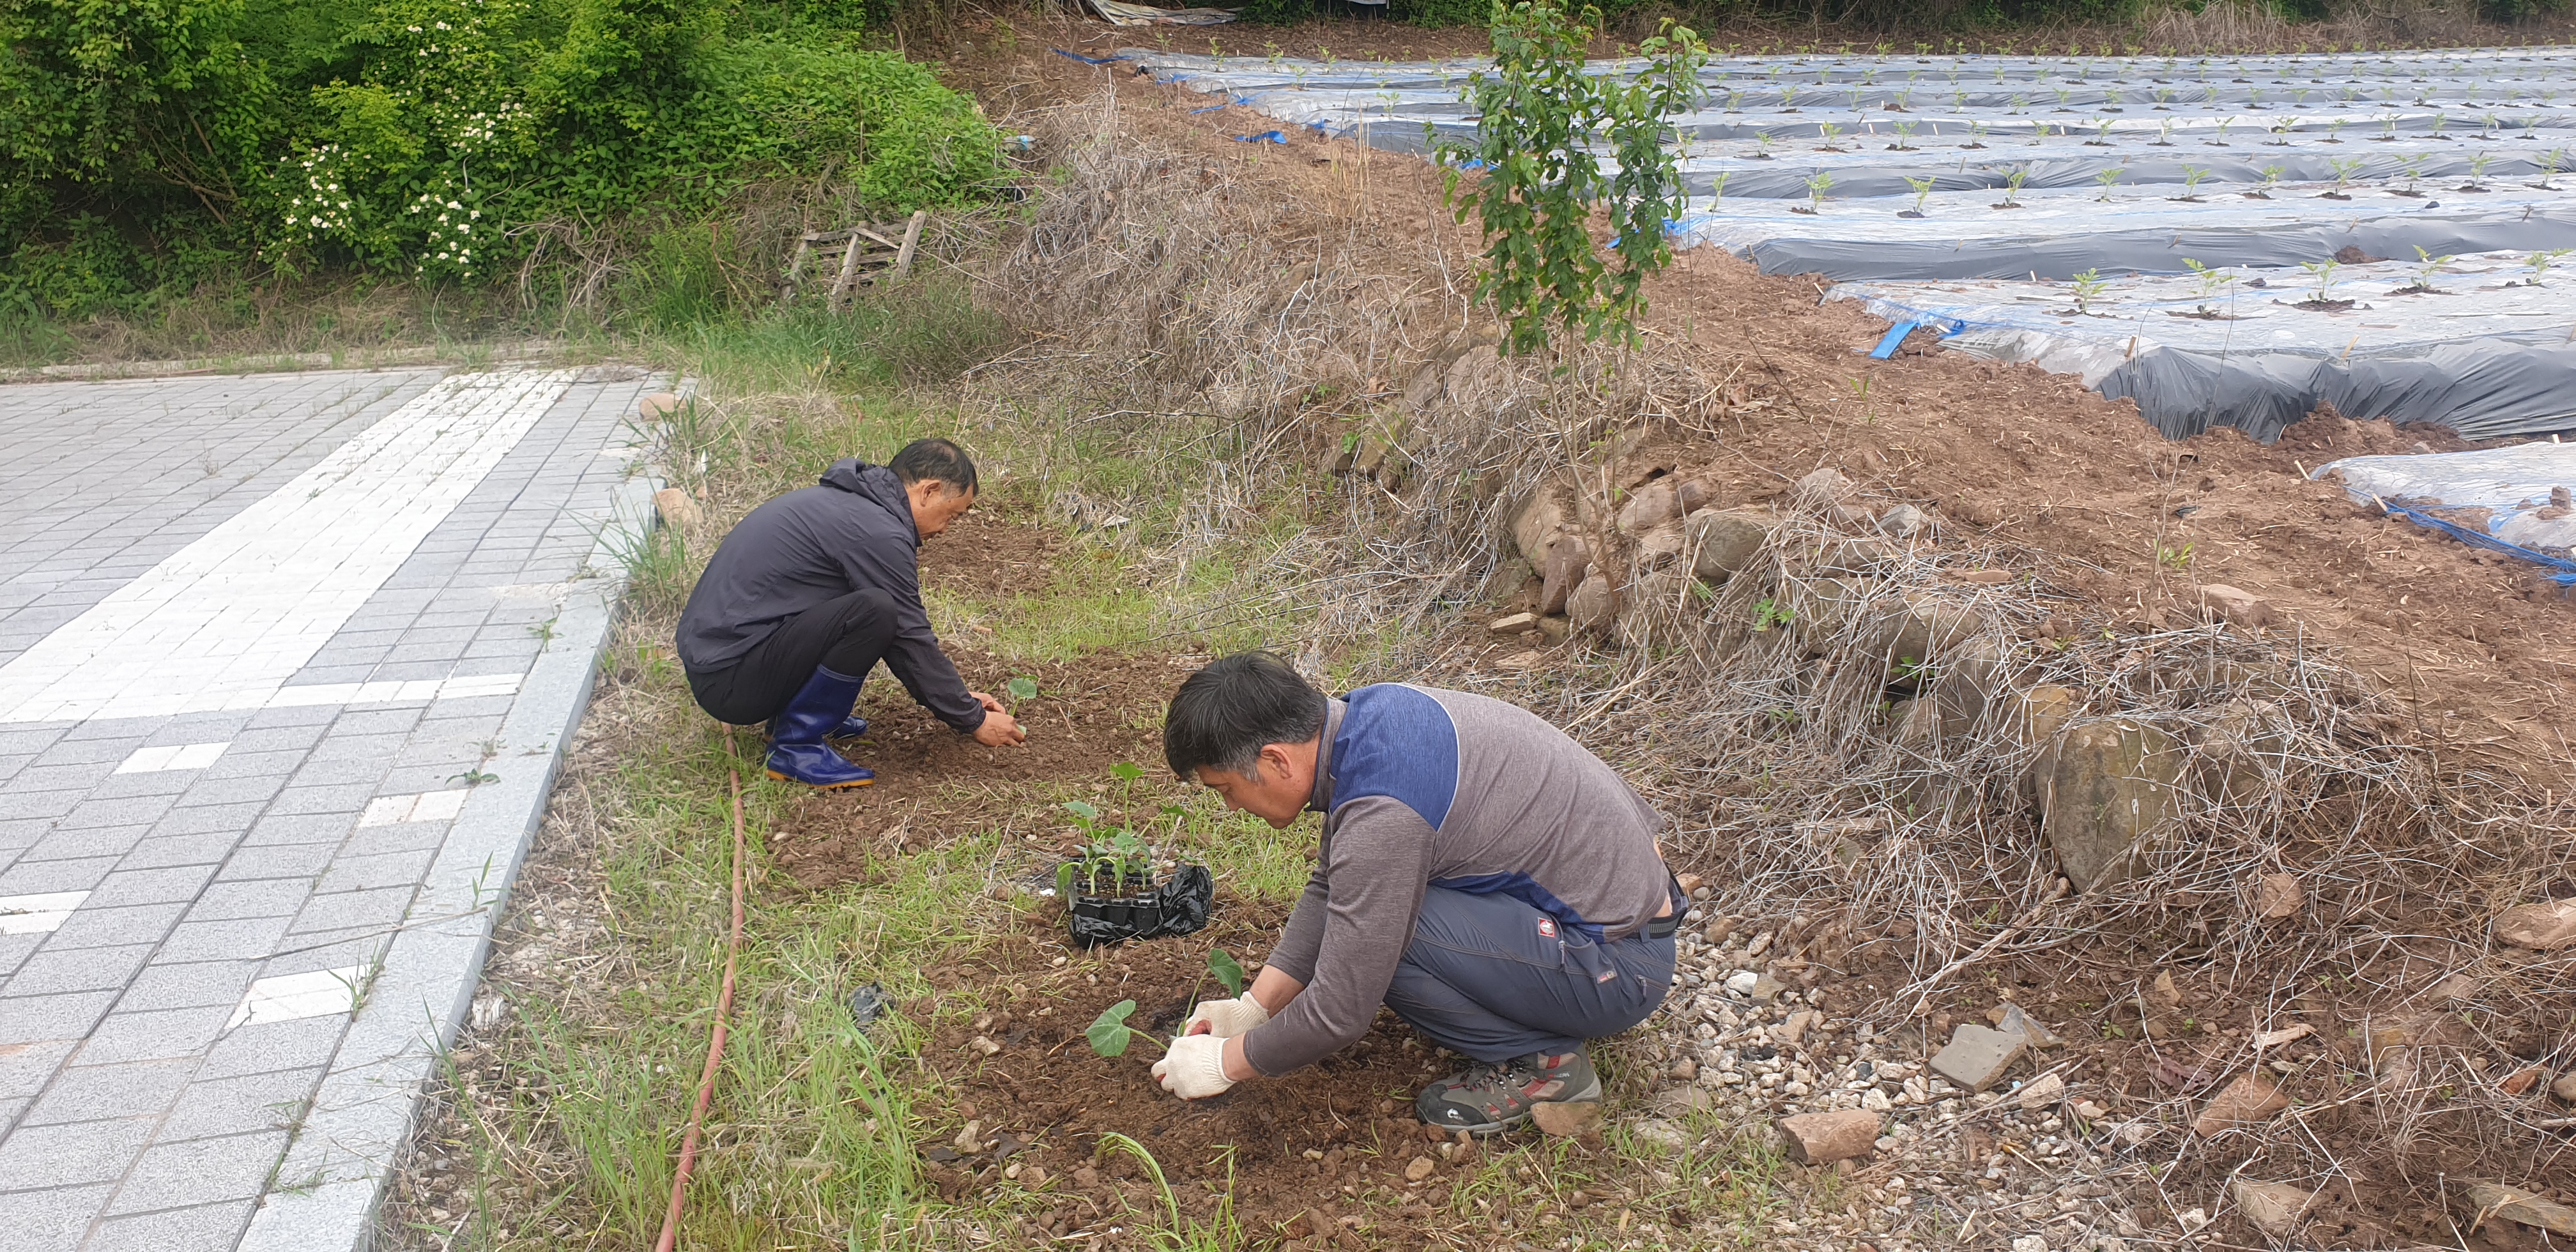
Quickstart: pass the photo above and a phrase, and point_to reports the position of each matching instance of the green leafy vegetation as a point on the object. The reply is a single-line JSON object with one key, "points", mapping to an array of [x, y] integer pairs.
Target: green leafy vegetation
{"points": [[158, 146], [1538, 178]]}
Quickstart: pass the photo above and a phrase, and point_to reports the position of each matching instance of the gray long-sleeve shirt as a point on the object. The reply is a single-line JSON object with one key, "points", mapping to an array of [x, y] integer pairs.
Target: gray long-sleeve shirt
{"points": [[1420, 788], [852, 530]]}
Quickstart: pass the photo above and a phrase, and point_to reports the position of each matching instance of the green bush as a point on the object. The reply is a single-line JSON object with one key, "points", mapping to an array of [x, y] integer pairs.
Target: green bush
{"points": [[416, 137]]}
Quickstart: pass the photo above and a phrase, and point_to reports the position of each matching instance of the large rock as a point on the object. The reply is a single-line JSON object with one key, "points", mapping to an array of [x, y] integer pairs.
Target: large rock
{"points": [[2248, 1102], [1562, 569], [2040, 712], [1650, 506], [2491, 1200], [2548, 927], [1590, 605], [1539, 524], [1917, 632], [1724, 541], [676, 508], [1821, 490], [2109, 796], [2244, 751], [1478, 381], [1824, 1138], [1655, 596], [2275, 1208], [2235, 606], [1660, 547], [1977, 1057]]}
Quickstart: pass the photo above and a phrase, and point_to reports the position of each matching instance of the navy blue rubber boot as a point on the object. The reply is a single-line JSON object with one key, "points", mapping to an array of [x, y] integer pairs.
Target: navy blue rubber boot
{"points": [[797, 752], [851, 727]]}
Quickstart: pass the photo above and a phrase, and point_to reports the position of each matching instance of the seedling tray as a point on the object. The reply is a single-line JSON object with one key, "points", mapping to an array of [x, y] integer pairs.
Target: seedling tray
{"points": [[1178, 905]]}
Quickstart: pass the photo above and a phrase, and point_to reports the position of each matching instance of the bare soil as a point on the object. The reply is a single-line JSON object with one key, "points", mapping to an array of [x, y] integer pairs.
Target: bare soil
{"points": [[1045, 1099], [933, 781], [2481, 647]]}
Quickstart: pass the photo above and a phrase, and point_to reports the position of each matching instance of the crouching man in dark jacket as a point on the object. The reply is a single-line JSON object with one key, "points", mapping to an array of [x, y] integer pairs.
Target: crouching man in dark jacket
{"points": [[1481, 874], [811, 590]]}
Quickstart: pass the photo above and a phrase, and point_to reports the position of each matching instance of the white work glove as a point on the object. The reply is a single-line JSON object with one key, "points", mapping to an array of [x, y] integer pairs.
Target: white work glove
{"points": [[1227, 1018], [1195, 1067]]}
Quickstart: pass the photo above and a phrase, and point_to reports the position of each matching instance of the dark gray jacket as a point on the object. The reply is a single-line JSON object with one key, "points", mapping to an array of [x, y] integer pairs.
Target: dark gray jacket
{"points": [[852, 532]]}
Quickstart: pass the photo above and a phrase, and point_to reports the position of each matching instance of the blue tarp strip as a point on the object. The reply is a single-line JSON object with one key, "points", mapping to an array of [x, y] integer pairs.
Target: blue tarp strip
{"points": [[1267, 136], [1895, 339], [2562, 571], [1084, 59]]}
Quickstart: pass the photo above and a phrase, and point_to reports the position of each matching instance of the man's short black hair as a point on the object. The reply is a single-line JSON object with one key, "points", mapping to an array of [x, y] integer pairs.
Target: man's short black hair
{"points": [[1227, 712], [936, 459]]}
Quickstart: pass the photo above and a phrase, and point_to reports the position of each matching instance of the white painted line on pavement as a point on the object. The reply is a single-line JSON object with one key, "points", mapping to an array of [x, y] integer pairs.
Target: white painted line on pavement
{"points": [[38, 914], [225, 621], [408, 692], [174, 756], [425, 806], [290, 997]]}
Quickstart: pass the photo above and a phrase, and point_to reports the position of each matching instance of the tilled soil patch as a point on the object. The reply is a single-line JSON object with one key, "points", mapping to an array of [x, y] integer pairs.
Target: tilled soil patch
{"points": [[1328, 1156], [991, 553], [933, 783]]}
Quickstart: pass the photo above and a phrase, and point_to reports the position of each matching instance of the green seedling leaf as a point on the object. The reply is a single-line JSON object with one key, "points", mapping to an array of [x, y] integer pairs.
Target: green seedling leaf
{"points": [[1064, 880], [1126, 771], [1109, 1033], [1226, 969], [1021, 689], [1082, 809]]}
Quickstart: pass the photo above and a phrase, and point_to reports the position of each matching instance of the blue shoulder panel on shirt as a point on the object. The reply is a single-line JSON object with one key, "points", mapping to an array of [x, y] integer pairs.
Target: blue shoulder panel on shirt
{"points": [[1399, 743]]}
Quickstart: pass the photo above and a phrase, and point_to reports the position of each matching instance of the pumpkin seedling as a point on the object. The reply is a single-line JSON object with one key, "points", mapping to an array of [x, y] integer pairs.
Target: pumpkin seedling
{"points": [[1110, 1034]]}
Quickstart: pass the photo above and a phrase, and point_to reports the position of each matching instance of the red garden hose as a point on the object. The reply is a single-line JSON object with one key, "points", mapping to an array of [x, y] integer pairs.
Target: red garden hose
{"points": [[715, 1045]]}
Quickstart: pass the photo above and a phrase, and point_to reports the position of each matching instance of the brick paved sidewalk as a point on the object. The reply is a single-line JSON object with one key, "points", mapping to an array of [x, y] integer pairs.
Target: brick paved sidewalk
{"points": [[285, 663]]}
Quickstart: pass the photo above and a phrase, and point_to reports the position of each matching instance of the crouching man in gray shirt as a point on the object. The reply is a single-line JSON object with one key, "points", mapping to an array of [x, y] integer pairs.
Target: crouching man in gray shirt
{"points": [[1481, 874]]}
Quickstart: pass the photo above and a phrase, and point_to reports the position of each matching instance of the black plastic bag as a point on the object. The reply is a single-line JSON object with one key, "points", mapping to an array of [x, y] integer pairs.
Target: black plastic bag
{"points": [[1179, 906]]}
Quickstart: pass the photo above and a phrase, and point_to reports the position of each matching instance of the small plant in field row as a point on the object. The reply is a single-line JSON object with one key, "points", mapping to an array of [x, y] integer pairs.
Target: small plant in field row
{"points": [[1922, 191], [1022, 689], [2271, 181], [1717, 188], [2549, 168], [2223, 124], [2428, 265], [2088, 287], [2478, 171], [2191, 176], [1817, 185], [2323, 272], [2101, 133], [1826, 131], [2012, 184], [2344, 168], [2107, 178], [2539, 263], [2164, 133], [2413, 165], [2210, 281]]}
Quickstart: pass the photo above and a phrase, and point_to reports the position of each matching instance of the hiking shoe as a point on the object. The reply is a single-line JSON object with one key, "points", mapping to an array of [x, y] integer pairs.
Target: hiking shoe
{"points": [[1489, 1097]]}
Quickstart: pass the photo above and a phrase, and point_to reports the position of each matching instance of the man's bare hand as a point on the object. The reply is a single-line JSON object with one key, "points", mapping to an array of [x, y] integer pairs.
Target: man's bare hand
{"points": [[990, 704], [1000, 729]]}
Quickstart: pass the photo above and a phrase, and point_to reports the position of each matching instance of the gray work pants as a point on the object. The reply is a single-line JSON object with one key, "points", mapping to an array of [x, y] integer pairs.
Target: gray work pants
{"points": [[1492, 978]]}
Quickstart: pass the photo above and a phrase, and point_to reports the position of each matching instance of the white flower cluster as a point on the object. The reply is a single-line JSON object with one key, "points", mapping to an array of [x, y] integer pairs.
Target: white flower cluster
{"points": [[323, 206], [450, 241]]}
